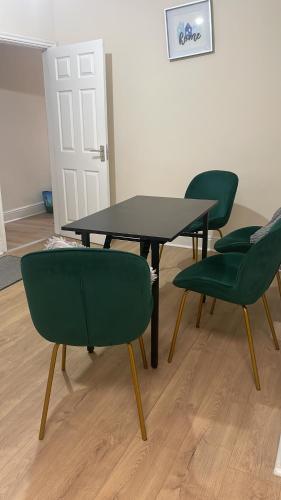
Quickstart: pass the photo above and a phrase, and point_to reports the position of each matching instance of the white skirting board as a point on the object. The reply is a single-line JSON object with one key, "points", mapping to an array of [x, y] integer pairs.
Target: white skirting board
{"points": [[35, 242], [277, 468], [22, 212], [186, 242]]}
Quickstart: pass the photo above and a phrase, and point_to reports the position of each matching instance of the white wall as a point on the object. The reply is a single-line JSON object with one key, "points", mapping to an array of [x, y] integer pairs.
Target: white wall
{"points": [[3, 245], [32, 18], [24, 154], [173, 120]]}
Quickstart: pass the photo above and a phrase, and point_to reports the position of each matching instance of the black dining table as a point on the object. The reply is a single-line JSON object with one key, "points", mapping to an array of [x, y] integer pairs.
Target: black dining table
{"points": [[151, 221]]}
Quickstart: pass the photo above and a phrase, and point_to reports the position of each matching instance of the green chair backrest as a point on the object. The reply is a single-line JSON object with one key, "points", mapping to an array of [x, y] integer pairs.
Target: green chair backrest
{"points": [[215, 185], [260, 265], [88, 296]]}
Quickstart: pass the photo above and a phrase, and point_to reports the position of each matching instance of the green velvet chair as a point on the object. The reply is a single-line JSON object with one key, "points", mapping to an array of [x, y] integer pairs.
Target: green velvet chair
{"points": [[240, 278], [239, 241], [82, 297], [218, 185]]}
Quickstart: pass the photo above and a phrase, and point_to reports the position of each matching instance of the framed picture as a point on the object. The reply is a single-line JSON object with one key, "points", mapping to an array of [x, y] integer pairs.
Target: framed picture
{"points": [[189, 29]]}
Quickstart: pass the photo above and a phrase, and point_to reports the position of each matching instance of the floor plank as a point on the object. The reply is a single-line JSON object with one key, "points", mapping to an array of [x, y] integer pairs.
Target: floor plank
{"points": [[238, 485], [30, 229], [211, 435]]}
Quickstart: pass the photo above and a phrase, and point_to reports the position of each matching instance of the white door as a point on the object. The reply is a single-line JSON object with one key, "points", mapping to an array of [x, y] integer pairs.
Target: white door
{"points": [[77, 121], [3, 243]]}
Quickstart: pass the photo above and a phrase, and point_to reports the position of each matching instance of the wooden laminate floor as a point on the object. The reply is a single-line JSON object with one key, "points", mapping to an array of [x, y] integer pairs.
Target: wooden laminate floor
{"points": [[211, 435], [24, 231]]}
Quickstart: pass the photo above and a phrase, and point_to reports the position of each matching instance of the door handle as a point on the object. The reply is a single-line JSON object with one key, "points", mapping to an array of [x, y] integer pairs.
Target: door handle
{"points": [[101, 152]]}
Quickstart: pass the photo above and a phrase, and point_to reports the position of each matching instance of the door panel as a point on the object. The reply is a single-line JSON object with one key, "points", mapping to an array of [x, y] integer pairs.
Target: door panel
{"points": [[91, 185], [65, 116], [77, 121], [88, 111], [86, 64], [70, 195]]}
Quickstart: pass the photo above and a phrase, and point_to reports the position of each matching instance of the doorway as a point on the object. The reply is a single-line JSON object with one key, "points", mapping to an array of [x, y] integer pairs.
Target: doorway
{"points": [[76, 106], [24, 166]]}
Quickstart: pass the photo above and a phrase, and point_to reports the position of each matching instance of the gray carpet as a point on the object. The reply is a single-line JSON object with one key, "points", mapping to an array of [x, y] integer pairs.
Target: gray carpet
{"points": [[10, 271]]}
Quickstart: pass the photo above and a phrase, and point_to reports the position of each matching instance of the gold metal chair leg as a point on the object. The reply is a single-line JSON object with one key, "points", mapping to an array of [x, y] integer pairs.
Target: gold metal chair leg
{"points": [[143, 353], [251, 348], [270, 322], [176, 331], [200, 310], [213, 306], [48, 391], [279, 281], [220, 233], [193, 247], [63, 357], [137, 392]]}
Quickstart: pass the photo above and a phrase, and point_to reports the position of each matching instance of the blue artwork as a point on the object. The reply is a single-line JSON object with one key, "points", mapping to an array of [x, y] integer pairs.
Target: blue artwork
{"points": [[188, 33], [180, 28], [189, 29]]}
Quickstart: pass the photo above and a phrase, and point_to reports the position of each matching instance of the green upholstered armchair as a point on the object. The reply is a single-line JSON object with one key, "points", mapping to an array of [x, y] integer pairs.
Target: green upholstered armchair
{"points": [[82, 297], [239, 241], [240, 278], [217, 185], [236, 241]]}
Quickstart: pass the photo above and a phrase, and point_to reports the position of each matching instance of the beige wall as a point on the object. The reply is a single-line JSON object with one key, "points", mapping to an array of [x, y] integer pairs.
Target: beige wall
{"points": [[32, 18], [24, 156], [173, 120]]}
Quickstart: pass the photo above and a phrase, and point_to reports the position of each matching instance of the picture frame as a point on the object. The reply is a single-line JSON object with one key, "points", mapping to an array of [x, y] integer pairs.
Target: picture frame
{"points": [[189, 29]]}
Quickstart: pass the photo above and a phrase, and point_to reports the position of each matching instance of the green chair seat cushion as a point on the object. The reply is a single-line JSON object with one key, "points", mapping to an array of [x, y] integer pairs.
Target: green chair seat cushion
{"points": [[237, 241], [215, 276]]}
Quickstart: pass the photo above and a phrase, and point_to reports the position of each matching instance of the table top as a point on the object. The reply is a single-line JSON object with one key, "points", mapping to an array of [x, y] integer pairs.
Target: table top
{"points": [[146, 217]]}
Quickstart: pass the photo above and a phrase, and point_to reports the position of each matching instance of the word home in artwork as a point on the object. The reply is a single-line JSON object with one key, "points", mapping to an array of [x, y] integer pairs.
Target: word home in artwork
{"points": [[188, 33]]}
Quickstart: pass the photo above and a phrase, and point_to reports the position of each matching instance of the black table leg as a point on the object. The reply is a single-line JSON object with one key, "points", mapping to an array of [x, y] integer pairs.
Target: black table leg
{"points": [[85, 237], [155, 312], [144, 248], [205, 236], [107, 243]]}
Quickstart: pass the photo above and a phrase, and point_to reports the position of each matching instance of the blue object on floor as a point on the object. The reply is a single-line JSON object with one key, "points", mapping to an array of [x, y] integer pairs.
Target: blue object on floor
{"points": [[48, 201]]}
